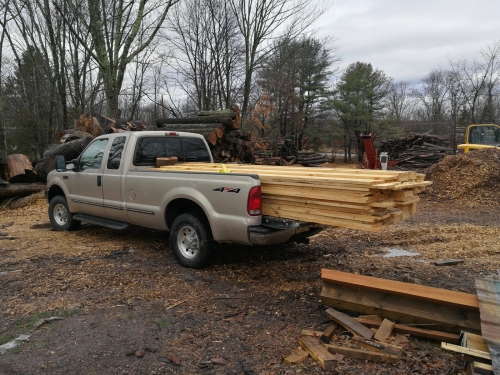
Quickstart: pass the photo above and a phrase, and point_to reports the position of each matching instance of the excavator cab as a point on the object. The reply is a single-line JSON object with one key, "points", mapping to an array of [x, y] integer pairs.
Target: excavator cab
{"points": [[480, 136]]}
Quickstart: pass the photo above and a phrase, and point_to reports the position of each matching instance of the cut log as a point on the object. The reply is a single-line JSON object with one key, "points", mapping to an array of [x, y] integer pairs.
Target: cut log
{"points": [[88, 124], [70, 151], [224, 120], [20, 190], [18, 169]]}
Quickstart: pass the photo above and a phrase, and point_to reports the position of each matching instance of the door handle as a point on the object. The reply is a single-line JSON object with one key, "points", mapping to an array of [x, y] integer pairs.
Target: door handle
{"points": [[99, 180]]}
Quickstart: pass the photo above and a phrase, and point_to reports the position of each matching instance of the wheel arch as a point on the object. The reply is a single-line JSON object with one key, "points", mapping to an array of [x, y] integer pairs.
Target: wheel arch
{"points": [[181, 206], [54, 191]]}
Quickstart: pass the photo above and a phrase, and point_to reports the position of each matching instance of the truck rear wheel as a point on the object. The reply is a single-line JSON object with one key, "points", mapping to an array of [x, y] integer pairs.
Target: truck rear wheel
{"points": [[191, 241], [59, 215]]}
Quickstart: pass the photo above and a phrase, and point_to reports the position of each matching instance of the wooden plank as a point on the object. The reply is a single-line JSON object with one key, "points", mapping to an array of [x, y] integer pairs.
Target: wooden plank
{"points": [[449, 262], [404, 310], [317, 351], [414, 331], [476, 342], [407, 290], [362, 354], [349, 323], [327, 335], [296, 358], [308, 332], [377, 346], [384, 331], [469, 353], [479, 368]]}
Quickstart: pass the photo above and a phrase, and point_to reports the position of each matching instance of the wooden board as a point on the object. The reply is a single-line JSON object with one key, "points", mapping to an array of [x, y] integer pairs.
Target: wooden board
{"points": [[469, 353], [377, 346], [362, 354], [349, 323], [384, 331], [296, 358], [404, 310], [407, 290], [317, 351], [327, 335], [452, 338]]}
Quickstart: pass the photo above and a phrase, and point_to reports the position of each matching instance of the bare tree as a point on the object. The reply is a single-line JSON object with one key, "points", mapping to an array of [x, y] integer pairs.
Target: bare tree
{"points": [[260, 21], [399, 101], [119, 30]]}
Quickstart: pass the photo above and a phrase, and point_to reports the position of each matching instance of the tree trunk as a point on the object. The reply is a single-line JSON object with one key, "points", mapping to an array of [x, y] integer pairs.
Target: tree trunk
{"points": [[19, 190]]}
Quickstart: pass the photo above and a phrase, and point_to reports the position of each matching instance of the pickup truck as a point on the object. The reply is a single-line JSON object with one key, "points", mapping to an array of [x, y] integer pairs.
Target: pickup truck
{"points": [[113, 183]]}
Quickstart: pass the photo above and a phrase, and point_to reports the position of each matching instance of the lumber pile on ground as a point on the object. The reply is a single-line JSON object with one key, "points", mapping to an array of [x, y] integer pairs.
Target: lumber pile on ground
{"points": [[351, 198], [442, 309], [476, 353], [221, 129], [416, 151]]}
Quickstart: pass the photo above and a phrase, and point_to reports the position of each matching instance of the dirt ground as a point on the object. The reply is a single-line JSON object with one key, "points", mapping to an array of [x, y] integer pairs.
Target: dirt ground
{"points": [[127, 307]]}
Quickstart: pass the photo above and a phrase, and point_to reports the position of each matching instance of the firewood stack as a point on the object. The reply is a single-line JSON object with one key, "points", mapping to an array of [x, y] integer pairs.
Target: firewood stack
{"points": [[221, 130], [416, 151], [286, 153], [73, 141]]}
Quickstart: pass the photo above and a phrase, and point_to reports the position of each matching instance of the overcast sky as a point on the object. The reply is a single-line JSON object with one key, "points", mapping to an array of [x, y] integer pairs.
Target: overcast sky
{"points": [[408, 38]]}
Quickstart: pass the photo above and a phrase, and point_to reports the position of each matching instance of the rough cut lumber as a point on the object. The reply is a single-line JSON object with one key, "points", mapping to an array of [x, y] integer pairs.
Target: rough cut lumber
{"points": [[478, 368], [384, 331], [378, 346], [296, 358], [349, 323], [308, 332], [317, 351], [452, 338], [469, 353], [166, 161], [450, 262], [362, 354], [407, 290], [356, 199], [20, 190], [398, 308], [326, 336]]}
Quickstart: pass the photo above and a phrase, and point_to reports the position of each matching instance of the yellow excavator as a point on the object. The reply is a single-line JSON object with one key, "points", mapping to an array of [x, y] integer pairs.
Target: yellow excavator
{"points": [[480, 136]]}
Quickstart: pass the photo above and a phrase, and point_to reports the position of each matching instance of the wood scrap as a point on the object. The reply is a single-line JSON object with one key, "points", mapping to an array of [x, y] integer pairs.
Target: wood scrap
{"points": [[296, 358], [349, 323], [449, 262], [378, 346], [326, 336], [384, 331], [471, 354], [362, 354], [317, 351]]}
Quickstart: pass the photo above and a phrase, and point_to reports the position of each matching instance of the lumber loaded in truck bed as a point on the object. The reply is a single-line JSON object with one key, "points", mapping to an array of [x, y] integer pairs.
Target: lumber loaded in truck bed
{"points": [[367, 200]]}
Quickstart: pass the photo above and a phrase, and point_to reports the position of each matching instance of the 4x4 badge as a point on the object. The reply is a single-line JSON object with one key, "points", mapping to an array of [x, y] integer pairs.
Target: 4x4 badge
{"points": [[227, 190]]}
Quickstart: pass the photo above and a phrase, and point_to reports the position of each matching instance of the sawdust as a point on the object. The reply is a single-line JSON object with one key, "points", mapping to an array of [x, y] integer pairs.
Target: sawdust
{"points": [[472, 178]]}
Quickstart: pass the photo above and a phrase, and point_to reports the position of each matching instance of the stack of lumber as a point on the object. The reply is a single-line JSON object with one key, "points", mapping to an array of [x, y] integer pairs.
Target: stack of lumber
{"points": [[221, 129], [367, 200], [416, 151], [442, 309]]}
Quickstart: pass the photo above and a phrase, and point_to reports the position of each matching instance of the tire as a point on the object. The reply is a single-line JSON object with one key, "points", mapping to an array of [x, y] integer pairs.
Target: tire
{"points": [[60, 216], [191, 241]]}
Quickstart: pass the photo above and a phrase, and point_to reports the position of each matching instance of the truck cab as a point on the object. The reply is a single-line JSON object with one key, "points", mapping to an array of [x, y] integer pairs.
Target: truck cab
{"points": [[480, 136]]}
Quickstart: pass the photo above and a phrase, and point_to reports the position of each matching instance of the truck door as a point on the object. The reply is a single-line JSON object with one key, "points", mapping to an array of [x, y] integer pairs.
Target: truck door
{"points": [[112, 181], [86, 184]]}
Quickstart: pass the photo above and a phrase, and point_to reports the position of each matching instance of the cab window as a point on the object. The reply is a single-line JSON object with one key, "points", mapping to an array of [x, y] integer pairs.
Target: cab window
{"points": [[195, 150], [115, 153], [150, 148], [92, 156]]}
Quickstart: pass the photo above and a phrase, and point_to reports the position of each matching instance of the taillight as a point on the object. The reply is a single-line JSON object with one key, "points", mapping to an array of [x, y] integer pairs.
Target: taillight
{"points": [[254, 207]]}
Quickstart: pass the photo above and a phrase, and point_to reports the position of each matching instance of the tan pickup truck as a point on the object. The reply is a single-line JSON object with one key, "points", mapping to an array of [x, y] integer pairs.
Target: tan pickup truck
{"points": [[112, 184]]}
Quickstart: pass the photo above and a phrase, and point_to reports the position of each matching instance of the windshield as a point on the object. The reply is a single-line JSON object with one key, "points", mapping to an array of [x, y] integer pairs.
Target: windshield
{"points": [[485, 135]]}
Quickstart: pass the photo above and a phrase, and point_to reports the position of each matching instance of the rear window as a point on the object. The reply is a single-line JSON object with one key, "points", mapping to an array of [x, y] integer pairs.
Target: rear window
{"points": [[186, 149]]}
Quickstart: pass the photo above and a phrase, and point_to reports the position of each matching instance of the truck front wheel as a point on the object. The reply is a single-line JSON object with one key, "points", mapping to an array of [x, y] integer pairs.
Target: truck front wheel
{"points": [[59, 215], [191, 241]]}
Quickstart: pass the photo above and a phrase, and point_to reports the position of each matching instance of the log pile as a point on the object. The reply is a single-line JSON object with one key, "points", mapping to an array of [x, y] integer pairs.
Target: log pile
{"points": [[351, 198], [416, 151], [73, 141], [286, 153], [222, 131], [17, 177]]}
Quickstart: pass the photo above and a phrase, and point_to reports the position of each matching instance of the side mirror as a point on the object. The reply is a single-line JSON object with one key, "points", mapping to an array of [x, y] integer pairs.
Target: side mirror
{"points": [[60, 163]]}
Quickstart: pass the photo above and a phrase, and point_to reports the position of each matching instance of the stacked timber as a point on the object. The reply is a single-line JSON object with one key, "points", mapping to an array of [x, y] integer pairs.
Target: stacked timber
{"points": [[367, 200], [221, 129], [416, 151]]}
